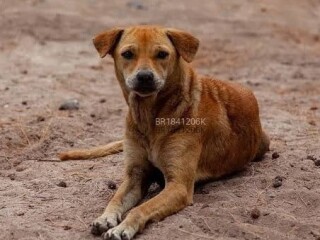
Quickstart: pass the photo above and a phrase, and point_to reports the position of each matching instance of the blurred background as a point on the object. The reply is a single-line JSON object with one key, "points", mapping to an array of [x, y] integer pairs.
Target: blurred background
{"points": [[56, 93]]}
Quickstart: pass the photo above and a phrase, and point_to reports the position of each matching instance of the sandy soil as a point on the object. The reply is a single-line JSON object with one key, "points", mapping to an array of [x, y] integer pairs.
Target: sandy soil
{"points": [[47, 58]]}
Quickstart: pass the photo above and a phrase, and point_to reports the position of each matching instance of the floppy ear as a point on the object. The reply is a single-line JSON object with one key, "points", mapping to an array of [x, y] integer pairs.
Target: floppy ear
{"points": [[185, 44], [106, 42]]}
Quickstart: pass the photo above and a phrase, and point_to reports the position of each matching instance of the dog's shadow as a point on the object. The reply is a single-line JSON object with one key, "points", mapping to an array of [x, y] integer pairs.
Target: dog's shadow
{"points": [[201, 187]]}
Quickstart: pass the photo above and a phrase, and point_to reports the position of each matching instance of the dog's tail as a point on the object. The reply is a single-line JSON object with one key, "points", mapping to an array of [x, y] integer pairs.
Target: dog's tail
{"points": [[101, 151]]}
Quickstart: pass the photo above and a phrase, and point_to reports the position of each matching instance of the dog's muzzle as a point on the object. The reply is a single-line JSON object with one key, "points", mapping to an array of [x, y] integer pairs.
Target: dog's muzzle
{"points": [[144, 82]]}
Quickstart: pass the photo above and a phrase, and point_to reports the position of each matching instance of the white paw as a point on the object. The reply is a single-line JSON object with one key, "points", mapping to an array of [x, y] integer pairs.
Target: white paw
{"points": [[121, 232], [104, 223]]}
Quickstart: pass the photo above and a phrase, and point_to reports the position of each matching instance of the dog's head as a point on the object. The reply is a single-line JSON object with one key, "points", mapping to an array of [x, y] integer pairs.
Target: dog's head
{"points": [[146, 55]]}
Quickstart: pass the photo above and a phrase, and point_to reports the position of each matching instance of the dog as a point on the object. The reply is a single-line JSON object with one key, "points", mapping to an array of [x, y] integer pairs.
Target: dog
{"points": [[181, 128]]}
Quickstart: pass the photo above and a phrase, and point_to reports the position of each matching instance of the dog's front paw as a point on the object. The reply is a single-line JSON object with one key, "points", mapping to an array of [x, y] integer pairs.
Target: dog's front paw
{"points": [[121, 232], [104, 223]]}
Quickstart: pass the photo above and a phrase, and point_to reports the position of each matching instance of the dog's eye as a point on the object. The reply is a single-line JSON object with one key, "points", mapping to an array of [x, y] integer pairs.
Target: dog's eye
{"points": [[127, 54], [162, 55]]}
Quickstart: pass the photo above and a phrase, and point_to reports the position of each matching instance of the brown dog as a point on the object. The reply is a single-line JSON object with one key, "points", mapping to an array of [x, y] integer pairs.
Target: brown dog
{"points": [[189, 127]]}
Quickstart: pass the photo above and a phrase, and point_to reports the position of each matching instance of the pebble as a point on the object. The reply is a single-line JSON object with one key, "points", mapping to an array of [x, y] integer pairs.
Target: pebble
{"points": [[312, 123], [255, 213], [277, 182], [112, 185], [311, 157], [317, 162], [102, 100], [71, 104], [275, 155], [136, 5], [12, 176], [66, 227], [205, 206], [40, 119], [62, 184]]}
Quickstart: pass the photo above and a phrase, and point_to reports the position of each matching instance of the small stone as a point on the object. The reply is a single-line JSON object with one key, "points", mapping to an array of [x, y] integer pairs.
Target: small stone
{"points": [[66, 227], [102, 100], [20, 168], [40, 119], [255, 213], [312, 123], [277, 182], [92, 115], [112, 185], [313, 108], [62, 184], [205, 206], [311, 157], [275, 155], [317, 162], [24, 72], [137, 5], [12, 176], [20, 213], [89, 124], [24, 103], [71, 104]]}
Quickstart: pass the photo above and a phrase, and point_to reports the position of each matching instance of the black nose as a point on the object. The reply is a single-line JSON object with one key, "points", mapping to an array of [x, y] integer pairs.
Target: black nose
{"points": [[145, 76]]}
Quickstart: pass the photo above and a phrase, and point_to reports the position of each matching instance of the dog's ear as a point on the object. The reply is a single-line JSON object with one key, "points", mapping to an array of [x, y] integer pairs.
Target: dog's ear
{"points": [[106, 42], [185, 44]]}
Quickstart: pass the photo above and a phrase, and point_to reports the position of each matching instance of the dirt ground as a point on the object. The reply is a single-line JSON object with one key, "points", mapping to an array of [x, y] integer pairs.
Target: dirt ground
{"points": [[46, 58]]}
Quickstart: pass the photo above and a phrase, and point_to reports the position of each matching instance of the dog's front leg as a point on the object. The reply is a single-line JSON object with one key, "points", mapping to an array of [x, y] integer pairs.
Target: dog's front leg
{"points": [[180, 175], [130, 192]]}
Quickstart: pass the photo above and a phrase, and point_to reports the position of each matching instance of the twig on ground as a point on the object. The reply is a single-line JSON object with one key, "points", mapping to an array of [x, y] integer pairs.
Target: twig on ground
{"points": [[195, 234]]}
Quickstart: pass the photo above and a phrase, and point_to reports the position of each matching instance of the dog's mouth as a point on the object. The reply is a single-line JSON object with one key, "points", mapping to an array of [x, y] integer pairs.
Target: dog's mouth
{"points": [[144, 83], [145, 91]]}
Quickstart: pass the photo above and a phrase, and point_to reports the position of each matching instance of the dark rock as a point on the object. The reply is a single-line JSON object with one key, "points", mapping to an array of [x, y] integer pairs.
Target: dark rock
{"points": [[40, 119], [311, 157], [317, 162], [275, 155], [12, 176], [255, 213], [62, 184], [66, 227], [112, 185], [312, 123], [277, 182]]}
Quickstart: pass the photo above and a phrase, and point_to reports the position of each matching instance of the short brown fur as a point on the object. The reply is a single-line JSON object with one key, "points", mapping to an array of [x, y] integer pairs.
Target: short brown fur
{"points": [[230, 137]]}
